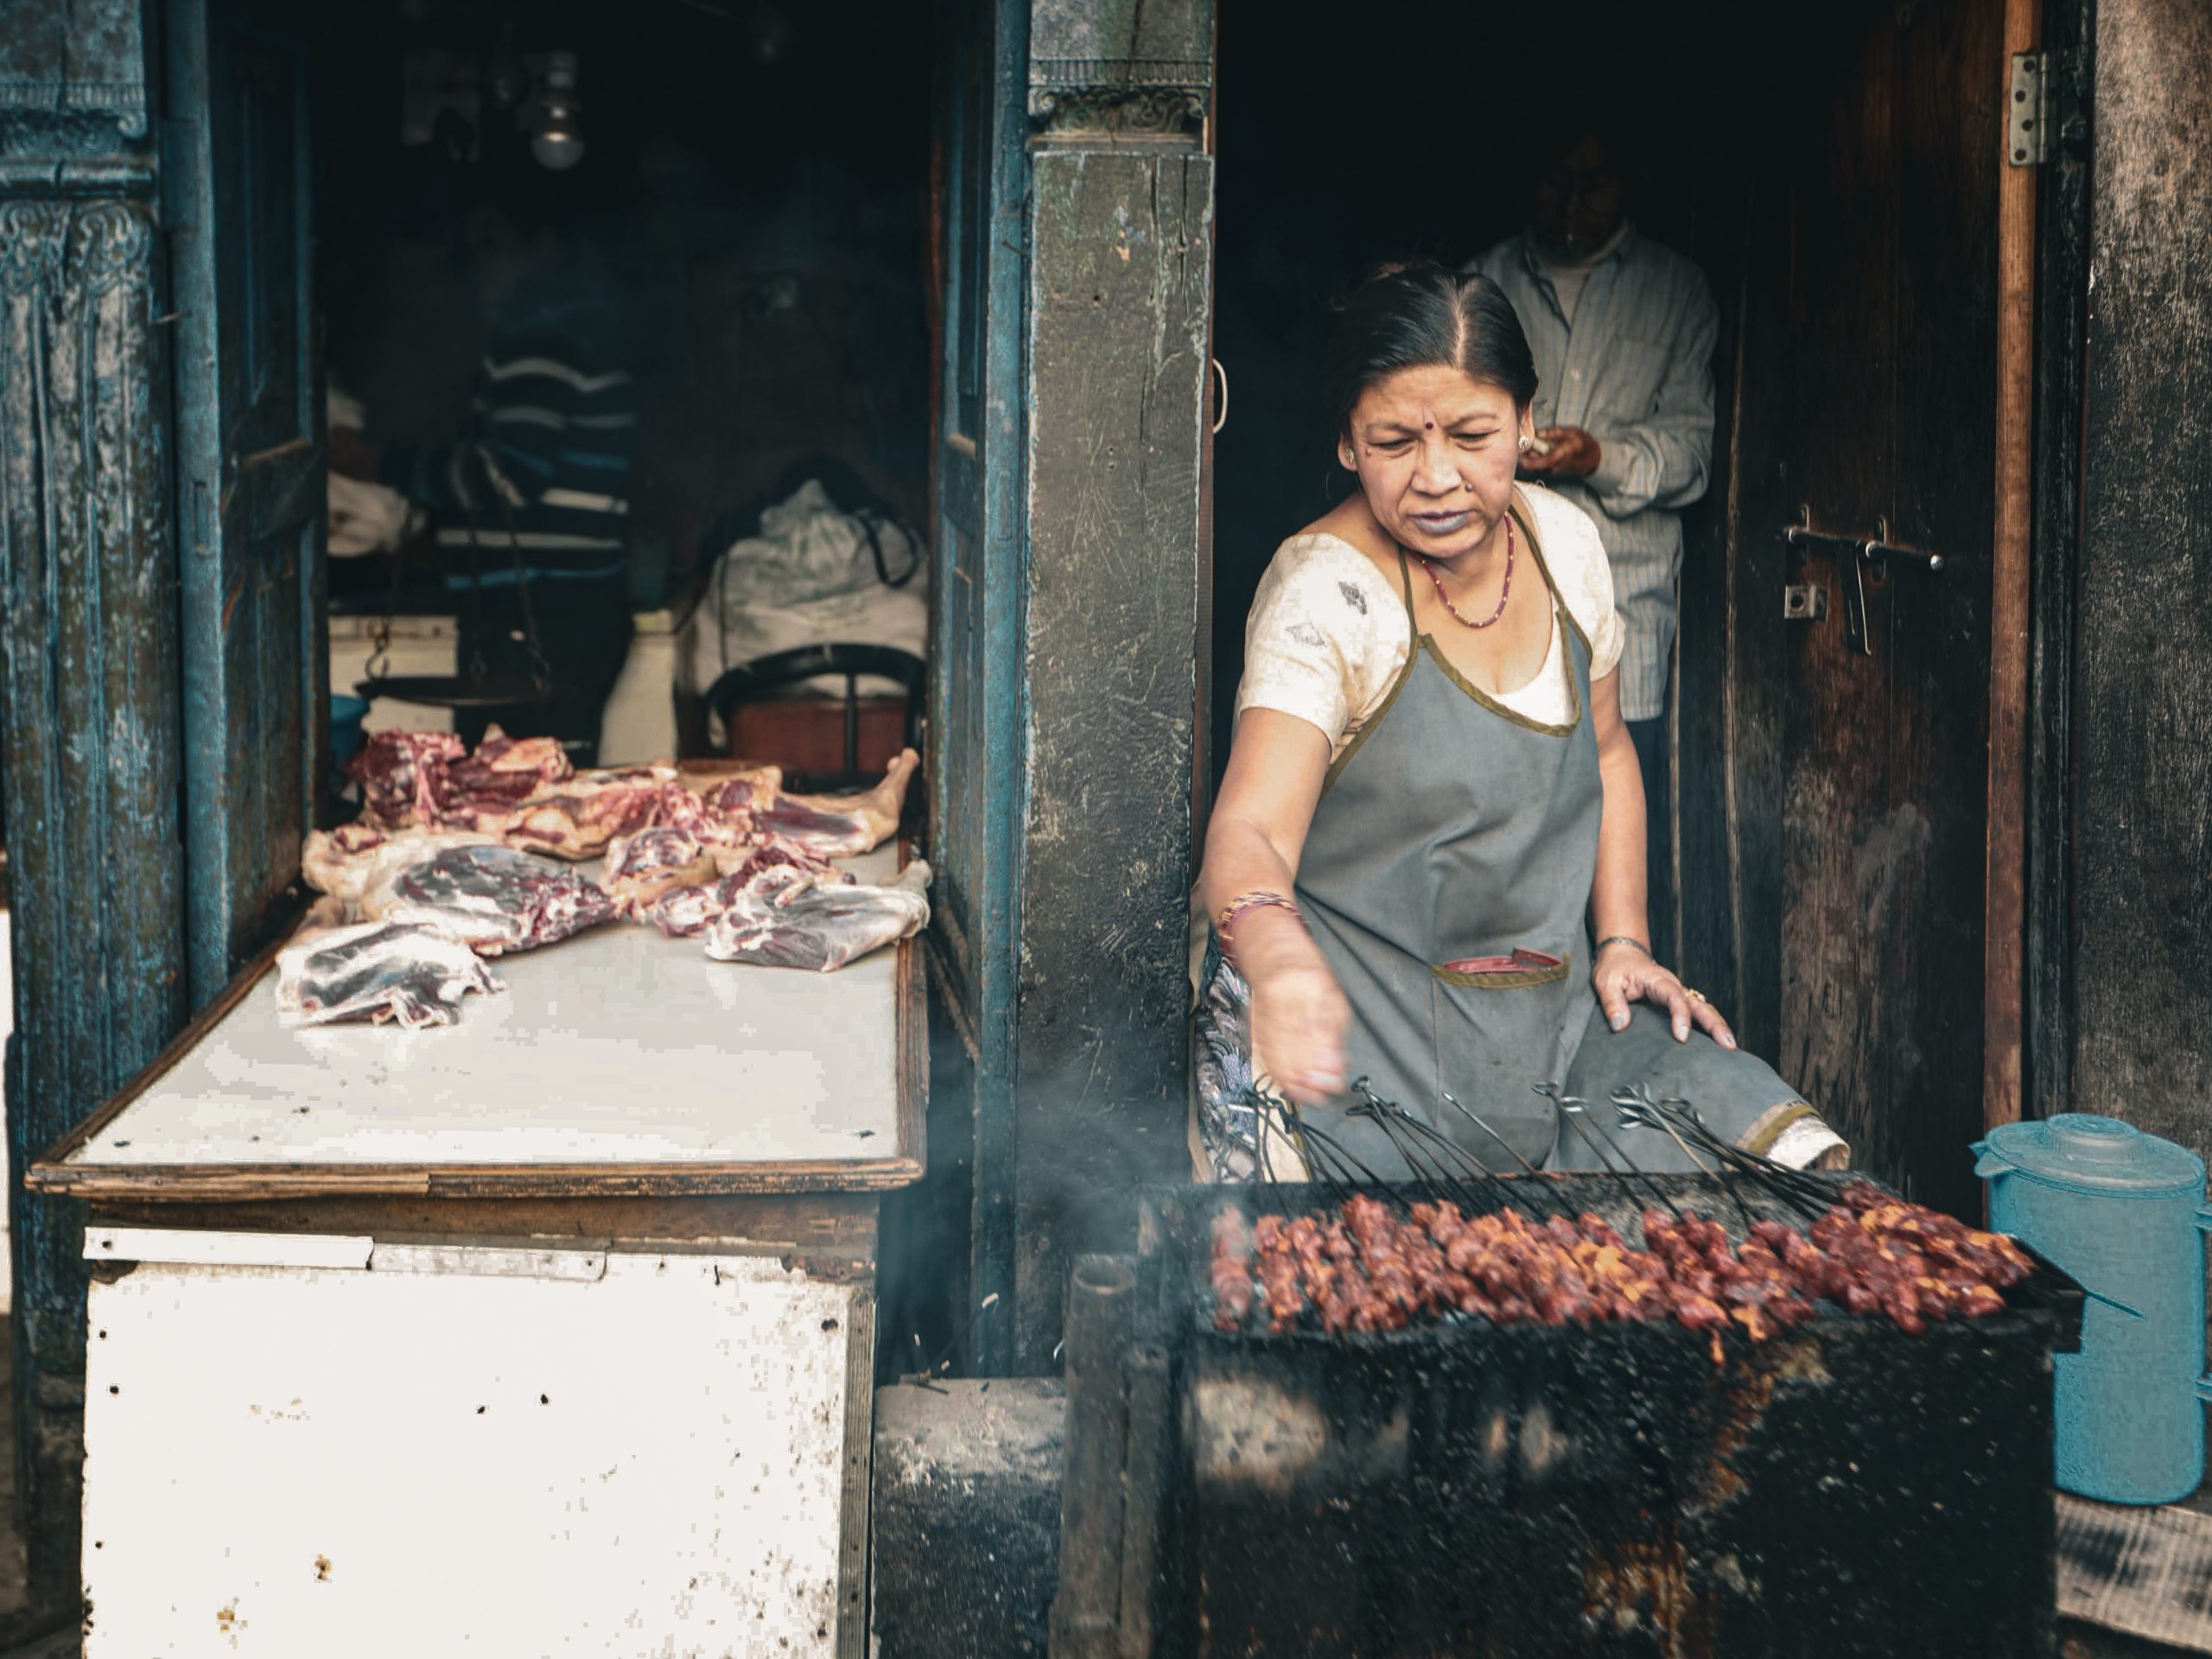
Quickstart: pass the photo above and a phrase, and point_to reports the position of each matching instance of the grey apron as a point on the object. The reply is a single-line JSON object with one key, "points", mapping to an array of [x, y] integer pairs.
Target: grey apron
{"points": [[1451, 834]]}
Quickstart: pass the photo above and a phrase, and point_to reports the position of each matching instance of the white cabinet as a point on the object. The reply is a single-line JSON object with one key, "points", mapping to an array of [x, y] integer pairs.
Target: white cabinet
{"points": [[334, 1448]]}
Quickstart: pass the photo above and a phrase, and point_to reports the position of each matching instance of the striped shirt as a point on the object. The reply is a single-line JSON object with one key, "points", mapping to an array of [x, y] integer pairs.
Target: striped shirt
{"points": [[1634, 371], [544, 479]]}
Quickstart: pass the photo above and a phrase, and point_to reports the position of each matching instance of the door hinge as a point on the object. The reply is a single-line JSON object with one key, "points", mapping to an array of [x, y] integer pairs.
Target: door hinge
{"points": [[2027, 111]]}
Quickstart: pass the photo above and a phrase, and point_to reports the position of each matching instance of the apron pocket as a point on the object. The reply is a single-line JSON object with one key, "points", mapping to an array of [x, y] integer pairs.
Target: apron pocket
{"points": [[1517, 971]]}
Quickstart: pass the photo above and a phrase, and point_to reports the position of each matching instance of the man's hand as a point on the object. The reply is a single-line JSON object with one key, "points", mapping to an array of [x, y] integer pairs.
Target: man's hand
{"points": [[350, 454], [1573, 453]]}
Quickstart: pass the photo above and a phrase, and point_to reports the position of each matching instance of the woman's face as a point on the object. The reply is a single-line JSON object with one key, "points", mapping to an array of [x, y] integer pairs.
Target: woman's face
{"points": [[1435, 451]]}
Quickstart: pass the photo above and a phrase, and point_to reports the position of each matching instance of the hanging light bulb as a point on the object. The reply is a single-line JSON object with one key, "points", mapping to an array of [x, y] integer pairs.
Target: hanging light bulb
{"points": [[554, 116]]}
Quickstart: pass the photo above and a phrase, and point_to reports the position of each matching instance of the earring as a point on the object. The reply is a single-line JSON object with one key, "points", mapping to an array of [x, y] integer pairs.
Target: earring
{"points": [[1526, 441]]}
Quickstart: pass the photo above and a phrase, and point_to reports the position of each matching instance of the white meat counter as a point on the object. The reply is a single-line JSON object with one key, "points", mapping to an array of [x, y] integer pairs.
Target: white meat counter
{"points": [[547, 1331]]}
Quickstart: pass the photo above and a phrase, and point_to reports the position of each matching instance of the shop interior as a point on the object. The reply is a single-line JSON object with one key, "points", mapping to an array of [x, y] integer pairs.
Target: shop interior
{"points": [[744, 185]]}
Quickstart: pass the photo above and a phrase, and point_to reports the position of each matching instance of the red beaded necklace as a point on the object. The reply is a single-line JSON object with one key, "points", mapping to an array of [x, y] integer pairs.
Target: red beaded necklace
{"points": [[1504, 593]]}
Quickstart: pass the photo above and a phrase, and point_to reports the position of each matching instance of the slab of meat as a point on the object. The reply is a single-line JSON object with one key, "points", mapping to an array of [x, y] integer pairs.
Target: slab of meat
{"points": [[655, 861], [493, 899], [681, 912], [578, 817], [481, 790], [397, 771], [430, 780], [750, 858], [830, 826], [344, 861], [813, 922], [377, 971]]}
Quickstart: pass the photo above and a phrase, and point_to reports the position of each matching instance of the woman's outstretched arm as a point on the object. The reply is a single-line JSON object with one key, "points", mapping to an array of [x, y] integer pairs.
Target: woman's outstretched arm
{"points": [[1253, 838]]}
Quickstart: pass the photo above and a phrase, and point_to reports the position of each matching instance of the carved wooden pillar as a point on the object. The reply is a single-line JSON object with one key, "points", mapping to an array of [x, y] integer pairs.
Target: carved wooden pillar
{"points": [[1120, 286], [89, 721]]}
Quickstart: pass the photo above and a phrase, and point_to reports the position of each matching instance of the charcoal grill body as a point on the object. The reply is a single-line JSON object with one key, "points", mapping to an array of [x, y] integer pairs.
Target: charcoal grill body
{"points": [[1466, 1489]]}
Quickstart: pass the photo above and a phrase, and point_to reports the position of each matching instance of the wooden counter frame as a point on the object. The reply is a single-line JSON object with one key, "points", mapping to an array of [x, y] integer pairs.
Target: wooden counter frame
{"points": [[248, 1183]]}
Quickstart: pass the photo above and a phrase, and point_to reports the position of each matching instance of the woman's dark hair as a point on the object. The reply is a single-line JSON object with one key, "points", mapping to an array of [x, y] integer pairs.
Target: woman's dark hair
{"points": [[1422, 316]]}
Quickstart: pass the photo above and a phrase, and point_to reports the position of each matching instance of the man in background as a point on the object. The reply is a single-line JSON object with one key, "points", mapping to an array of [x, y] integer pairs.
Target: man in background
{"points": [[1623, 331], [530, 506]]}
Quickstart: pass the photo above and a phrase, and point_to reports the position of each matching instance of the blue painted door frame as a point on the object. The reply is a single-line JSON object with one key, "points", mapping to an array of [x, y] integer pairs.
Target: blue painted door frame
{"points": [[91, 717], [161, 496], [977, 725], [237, 167]]}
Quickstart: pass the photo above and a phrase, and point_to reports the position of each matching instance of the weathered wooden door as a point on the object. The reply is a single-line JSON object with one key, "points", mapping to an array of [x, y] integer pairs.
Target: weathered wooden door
{"points": [[239, 171], [979, 177], [1867, 383]]}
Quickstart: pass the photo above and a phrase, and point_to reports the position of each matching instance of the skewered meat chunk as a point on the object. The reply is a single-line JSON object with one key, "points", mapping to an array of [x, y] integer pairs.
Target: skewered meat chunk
{"points": [[1369, 1268], [1279, 1273], [1232, 1270]]}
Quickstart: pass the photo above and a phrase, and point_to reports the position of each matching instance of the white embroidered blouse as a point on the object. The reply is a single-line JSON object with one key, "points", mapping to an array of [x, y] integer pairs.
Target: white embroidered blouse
{"points": [[1327, 632]]}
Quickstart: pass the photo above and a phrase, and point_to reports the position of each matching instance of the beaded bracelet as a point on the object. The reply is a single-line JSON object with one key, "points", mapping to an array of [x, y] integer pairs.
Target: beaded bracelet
{"points": [[1260, 899]]}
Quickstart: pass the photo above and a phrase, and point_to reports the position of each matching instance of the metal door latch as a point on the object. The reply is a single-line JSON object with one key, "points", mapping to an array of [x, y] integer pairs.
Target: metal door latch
{"points": [[1852, 555]]}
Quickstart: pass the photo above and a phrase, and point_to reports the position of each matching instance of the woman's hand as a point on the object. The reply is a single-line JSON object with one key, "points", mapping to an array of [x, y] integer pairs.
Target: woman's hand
{"points": [[1299, 1013], [1624, 974]]}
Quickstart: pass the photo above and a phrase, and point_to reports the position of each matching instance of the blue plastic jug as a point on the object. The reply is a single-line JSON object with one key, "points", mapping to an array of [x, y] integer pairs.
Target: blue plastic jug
{"points": [[2122, 1211]]}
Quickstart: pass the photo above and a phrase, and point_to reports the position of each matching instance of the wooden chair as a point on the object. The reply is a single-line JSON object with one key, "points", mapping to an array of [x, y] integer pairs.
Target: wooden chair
{"points": [[756, 681]]}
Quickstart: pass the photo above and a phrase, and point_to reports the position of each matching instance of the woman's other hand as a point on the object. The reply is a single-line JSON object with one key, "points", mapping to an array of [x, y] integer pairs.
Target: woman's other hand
{"points": [[1624, 974], [1299, 1013]]}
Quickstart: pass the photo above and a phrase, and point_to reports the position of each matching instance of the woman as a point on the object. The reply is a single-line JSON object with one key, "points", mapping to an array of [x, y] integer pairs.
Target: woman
{"points": [[1432, 805]]}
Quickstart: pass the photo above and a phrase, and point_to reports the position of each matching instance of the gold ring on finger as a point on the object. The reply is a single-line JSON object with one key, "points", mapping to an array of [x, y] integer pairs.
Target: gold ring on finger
{"points": [[1694, 997]]}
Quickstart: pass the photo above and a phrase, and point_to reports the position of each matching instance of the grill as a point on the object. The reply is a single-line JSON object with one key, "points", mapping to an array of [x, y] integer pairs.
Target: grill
{"points": [[1463, 1487]]}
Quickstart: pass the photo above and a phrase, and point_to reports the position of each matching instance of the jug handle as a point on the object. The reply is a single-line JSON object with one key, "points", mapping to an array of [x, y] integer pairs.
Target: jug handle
{"points": [[1988, 1164], [2204, 1225]]}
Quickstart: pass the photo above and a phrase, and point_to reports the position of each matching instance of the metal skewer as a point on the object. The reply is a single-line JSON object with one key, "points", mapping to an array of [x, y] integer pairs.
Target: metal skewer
{"points": [[1573, 1111], [1636, 1105], [1539, 1193]]}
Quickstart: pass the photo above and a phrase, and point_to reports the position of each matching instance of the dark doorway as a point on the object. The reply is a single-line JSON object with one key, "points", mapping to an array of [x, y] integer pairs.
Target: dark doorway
{"points": [[1834, 174], [752, 185], [1867, 389]]}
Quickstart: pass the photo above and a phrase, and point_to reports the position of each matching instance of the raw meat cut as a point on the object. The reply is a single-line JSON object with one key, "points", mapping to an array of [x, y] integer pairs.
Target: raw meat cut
{"points": [[682, 912], [832, 826], [749, 858], [430, 780], [342, 862], [811, 922], [492, 898], [577, 818], [396, 770], [656, 861], [478, 790], [377, 971]]}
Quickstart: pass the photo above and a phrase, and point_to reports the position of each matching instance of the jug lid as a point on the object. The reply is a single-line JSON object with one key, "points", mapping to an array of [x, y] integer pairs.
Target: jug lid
{"points": [[2090, 1154]]}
